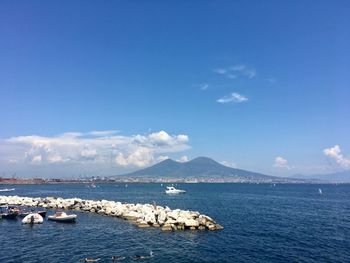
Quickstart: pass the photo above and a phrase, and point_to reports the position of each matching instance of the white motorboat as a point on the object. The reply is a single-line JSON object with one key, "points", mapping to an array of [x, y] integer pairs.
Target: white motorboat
{"points": [[173, 190], [33, 218], [7, 190], [62, 217]]}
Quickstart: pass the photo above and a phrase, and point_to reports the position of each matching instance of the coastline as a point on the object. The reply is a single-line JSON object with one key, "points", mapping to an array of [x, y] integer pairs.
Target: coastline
{"points": [[157, 181]]}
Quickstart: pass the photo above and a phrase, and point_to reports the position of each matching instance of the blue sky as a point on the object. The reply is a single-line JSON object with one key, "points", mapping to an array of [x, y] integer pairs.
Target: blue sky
{"points": [[259, 85]]}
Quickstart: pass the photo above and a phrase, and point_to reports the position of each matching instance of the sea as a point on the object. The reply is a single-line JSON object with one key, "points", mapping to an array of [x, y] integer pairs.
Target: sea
{"points": [[262, 223]]}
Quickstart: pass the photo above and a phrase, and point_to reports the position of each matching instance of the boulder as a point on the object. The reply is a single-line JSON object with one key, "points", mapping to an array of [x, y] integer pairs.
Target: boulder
{"points": [[191, 222], [185, 214], [167, 227], [211, 227], [101, 212], [150, 217], [132, 215], [143, 224], [201, 228], [218, 227], [181, 220], [162, 216], [170, 221], [173, 214], [181, 227]]}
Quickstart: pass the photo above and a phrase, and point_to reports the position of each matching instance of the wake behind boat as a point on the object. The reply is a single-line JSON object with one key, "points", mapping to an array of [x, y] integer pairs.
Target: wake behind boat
{"points": [[173, 190], [63, 217], [7, 190]]}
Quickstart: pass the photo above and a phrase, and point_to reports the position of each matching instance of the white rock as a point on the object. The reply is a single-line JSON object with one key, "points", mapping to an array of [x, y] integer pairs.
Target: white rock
{"points": [[191, 222], [150, 218]]}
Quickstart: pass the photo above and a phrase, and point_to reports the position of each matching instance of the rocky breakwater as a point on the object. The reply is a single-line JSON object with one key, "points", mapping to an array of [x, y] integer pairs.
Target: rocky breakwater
{"points": [[143, 215]]}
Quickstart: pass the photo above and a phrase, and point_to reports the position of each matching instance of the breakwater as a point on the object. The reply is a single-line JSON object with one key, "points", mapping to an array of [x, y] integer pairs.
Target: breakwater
{"points": [[143, 215]]}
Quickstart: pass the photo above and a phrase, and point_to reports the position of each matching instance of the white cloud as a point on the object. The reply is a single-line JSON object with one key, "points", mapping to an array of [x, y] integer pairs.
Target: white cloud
{"points": [[36, 159], [162, 158], [233, 97], [88, 153], [220, 71], [120, 160], [229, 164], [335, 153], [96, 147], [139, 157], [280, 162], [183, 159], [204, 86], [235, 71]]}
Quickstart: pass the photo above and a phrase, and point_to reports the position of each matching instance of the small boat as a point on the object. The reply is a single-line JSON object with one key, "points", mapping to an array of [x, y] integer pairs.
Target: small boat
{"points": [[62, 217], [7, 189], [173, 190], [33, 218], [320, 191], [24, 213], [9, 213]]}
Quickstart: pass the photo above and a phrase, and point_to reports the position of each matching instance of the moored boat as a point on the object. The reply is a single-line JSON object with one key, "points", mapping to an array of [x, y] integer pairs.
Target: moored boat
{"points": [[33, 218], [9, 215], [62, 217], [24, 213], [8, 212]]}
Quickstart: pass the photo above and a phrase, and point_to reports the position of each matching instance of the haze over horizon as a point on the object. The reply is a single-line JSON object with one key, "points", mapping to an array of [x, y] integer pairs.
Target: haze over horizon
{"points": [[91, 89]]}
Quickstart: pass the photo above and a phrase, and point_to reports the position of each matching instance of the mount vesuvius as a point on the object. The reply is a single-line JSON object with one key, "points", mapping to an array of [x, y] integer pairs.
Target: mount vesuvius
{"points": [[201, 167]]}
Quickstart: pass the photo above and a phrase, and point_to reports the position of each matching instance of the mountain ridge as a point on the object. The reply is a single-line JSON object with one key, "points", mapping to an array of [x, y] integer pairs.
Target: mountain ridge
{"points": [[197, 167]]}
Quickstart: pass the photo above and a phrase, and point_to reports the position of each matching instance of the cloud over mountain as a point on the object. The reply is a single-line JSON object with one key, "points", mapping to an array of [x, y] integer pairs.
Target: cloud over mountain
{"points": [[281, 162], [335, 153], [95, 147]]}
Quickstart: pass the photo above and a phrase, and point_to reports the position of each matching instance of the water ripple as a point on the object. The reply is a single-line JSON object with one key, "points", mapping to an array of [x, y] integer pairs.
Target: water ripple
{"points": [[286, 223]]}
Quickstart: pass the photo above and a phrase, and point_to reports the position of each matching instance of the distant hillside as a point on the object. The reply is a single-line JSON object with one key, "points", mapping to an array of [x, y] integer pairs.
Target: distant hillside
{"points": [[196, 168], [340, 177]]}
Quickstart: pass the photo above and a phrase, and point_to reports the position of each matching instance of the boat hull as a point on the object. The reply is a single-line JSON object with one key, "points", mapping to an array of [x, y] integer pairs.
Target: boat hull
{"points": [[172, 192], [9, 216], [33, 219], [66, 219], [24, 214]]}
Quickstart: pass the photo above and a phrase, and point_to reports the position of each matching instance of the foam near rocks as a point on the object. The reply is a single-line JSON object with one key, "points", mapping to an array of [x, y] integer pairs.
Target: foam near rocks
{"points": [[143, 215]]}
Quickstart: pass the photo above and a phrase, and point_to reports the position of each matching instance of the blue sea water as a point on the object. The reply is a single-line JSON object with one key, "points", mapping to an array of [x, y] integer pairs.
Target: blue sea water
{"points": [[263, 223]]}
